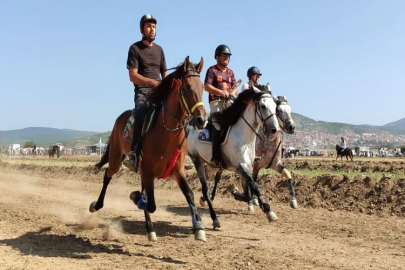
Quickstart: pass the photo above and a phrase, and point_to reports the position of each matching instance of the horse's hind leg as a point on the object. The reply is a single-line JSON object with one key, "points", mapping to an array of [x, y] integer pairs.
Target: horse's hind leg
{"points": [[198, 226], [95, 206], [199, 165], [217, 179]]}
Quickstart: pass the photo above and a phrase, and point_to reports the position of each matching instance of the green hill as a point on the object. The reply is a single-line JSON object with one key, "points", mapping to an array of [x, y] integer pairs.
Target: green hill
{"points": [[307, 124]]}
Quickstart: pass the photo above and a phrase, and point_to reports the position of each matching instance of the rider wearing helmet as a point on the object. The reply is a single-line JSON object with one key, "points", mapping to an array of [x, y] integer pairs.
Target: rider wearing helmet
{"points": [[146, 64], [343, 144], [220, 83], [253, 74]]}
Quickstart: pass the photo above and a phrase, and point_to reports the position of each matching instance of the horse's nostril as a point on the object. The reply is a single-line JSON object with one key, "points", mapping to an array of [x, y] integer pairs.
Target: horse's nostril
{"points": [[200, 121], [273, 130]]}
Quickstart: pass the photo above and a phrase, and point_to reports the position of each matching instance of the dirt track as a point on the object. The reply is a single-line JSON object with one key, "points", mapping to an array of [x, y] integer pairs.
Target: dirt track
{"points": [[45, 223]]}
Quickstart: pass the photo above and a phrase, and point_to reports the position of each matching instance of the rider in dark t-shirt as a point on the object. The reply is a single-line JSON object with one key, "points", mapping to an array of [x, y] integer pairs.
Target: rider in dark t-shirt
{"points": [[146, 65]]}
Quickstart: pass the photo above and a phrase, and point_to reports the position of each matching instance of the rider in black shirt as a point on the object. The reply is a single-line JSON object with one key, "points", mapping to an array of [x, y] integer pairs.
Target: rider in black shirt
{"points": [[147, 67]]}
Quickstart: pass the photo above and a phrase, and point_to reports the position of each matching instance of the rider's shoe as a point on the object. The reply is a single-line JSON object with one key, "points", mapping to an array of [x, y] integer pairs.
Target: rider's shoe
{"points": [[215, 160], [132, 163]]}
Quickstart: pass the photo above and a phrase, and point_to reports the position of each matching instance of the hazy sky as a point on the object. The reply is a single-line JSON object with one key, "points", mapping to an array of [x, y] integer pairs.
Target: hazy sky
{"points": [[63, 63]]}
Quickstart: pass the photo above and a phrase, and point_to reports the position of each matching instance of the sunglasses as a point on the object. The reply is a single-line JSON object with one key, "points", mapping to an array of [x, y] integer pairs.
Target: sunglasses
{"points": [[225, 55]]}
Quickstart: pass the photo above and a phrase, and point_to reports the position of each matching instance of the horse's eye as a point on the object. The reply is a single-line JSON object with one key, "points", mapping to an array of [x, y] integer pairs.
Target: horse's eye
{"points": [[263, 107]]}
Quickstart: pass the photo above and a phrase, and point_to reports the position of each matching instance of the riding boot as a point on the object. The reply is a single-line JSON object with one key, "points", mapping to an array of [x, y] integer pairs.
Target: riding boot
{"points": [[133, 162], [216, 154]]}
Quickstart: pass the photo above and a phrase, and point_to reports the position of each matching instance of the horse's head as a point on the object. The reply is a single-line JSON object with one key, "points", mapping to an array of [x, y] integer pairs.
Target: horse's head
{"points": [[284, 114], [265, 110], [191, 92]]}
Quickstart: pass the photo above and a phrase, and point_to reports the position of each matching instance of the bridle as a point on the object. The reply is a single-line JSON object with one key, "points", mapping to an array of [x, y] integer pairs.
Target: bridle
{"points": [[178, 87], [280, 115], [258, 113]]}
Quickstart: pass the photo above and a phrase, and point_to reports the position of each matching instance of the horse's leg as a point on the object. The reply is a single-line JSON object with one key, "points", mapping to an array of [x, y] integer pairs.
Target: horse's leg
{"points": [[140, 199], [255, 174], [145, 200], [244, 170], [109, 172], [199, 165], [95, 206], [287, 175], [217, 179], [198, 226]]}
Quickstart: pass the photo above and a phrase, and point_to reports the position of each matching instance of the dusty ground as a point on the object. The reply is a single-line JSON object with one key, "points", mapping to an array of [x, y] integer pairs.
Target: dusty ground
{"points": [[342, 222]]}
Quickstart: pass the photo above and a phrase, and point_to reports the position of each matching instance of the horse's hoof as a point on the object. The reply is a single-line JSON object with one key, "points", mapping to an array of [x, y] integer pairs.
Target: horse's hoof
{"points": [[152, 236], [200, 235], [216, 224], [231, 188], [256, 201], [132, 196], [202, 202], [251, 209], [92, 207], [293, 204], [271, 216]]}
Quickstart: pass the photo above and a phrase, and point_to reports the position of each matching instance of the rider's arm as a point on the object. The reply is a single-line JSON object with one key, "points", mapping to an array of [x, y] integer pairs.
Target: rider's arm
{"points": [[137, 78], [234, 90], [213, 90]]}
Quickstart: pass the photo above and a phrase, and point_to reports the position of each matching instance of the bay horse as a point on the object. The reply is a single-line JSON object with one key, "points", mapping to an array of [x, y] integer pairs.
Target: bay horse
{"points": [[346, 152], [180, 98], [269, 151], [251, 109]]}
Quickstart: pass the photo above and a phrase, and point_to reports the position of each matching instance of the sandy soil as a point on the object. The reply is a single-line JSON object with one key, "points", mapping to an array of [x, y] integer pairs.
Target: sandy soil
{"points": [[45, 224]]}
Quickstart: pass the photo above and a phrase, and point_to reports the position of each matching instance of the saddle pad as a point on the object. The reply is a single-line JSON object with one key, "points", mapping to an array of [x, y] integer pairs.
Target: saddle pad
{"points": [[129, 129], [205, 135]]}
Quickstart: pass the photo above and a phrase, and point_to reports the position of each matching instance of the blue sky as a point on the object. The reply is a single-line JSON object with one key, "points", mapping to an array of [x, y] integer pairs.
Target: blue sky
{"points": [[63, 63]]}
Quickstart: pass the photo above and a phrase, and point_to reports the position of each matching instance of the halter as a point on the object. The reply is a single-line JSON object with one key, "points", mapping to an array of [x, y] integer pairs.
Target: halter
{"points": [[178, 87]]}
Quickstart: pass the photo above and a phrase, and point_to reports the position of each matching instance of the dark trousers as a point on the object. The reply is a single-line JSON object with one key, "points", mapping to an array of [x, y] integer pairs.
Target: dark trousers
{"points": [[141, 108]]}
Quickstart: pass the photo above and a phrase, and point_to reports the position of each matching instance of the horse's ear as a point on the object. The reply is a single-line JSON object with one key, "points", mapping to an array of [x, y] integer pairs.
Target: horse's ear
{"points": [[186, 64], [255, 89], [268, 88], [200, 65]]}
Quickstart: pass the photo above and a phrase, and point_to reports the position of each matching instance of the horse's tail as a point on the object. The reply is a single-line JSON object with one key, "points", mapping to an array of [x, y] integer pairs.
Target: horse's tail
{"points": [[104, 158]]}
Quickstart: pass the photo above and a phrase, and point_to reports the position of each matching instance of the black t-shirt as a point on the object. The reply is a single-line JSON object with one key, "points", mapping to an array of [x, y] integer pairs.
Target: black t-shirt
{"points": [[149, 60]]}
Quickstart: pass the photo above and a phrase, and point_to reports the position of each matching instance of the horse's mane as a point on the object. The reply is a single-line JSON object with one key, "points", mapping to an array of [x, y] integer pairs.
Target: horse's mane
{"points": [[230, 115], [161, 92]]}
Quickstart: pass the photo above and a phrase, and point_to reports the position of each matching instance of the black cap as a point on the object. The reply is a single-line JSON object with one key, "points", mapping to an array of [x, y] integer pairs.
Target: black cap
{"points": [[222, 49], [146, 18], [252, 71]]}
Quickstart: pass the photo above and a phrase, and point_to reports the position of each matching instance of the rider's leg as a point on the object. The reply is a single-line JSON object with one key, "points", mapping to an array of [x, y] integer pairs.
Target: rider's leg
{"points": [[216, 157], [141, 106]]}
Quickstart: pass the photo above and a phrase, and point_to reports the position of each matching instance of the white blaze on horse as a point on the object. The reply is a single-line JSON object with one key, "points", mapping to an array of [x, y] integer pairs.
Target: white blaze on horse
{"points": [[251, 110]]}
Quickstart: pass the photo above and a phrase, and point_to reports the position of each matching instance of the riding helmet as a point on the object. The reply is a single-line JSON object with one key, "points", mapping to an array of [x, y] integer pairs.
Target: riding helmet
{"points": [[146, 18], [222, 49], [252, 71]]}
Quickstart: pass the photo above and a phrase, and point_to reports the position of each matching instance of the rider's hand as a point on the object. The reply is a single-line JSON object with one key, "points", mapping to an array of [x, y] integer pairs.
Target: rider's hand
{"points": [[153, 83], [225, 94]]}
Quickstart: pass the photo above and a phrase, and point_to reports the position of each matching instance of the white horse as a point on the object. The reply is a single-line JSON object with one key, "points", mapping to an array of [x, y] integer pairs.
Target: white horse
{"points": [[269, 151], [251, 110]]}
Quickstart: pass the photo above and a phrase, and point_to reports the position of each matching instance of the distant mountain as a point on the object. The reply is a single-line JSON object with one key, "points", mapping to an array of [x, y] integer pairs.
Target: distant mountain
{"points": [[400, 123], [41, 135], [88, 140], [307, 124]]}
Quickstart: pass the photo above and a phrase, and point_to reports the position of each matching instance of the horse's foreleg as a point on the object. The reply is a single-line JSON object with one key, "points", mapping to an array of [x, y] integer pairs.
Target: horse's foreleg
{"points": [[140, 199], [95, 206], [198, 226], [146, 201], [244, 170], [293, 201]]}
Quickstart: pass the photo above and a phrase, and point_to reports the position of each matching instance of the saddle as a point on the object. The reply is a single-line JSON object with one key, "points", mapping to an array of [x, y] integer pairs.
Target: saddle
{"points": [[149, 123]]}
